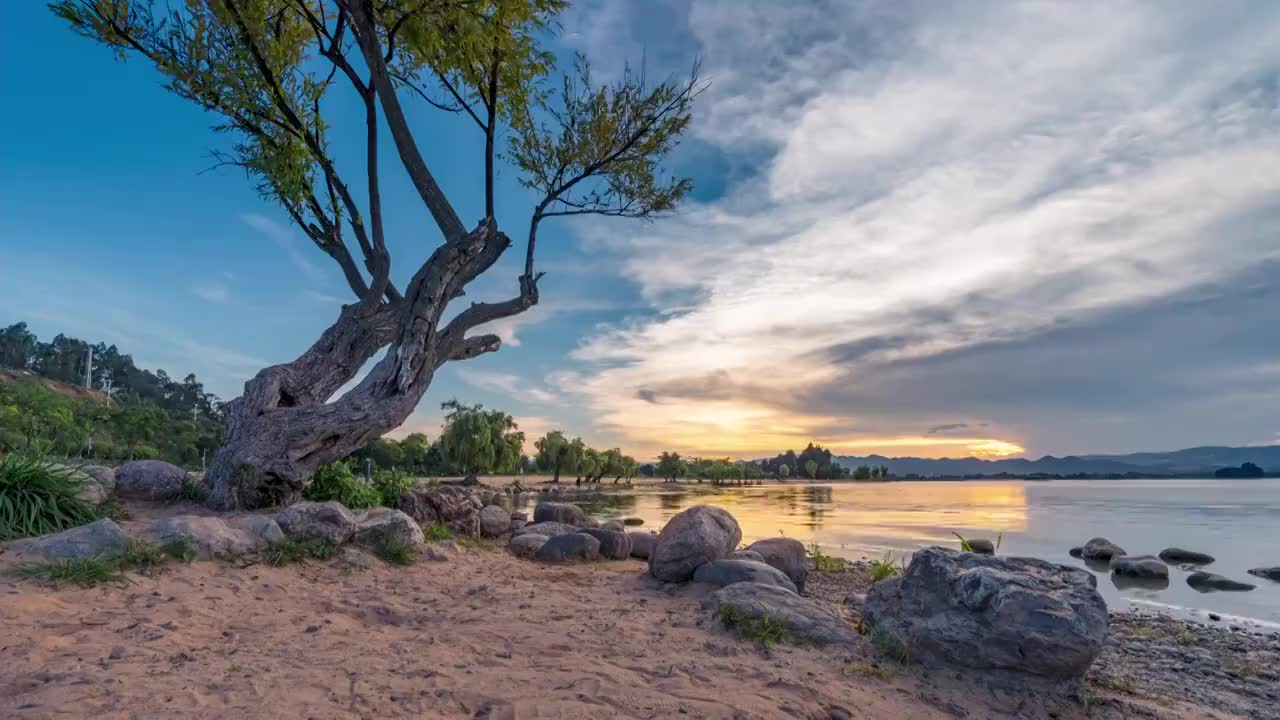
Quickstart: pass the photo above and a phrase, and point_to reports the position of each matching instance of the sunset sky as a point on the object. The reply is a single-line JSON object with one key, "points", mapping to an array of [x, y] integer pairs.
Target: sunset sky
{"points": [[933, 229]]}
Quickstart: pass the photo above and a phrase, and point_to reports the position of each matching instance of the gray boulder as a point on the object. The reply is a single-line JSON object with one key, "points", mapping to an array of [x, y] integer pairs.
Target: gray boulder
{"points": [[725, 571], [566, 513], [101, 473], [982, 546], [745, 555], [441, 551], [149, 480], [614, 525], [374, 528], [527, 544], [307, 520], [1213, 582], [693, 537], [101, 538], [494, 521], [518, 520], [453, 506], [803, 618], [785, 554], [1076, 552], [1100, 549], [614, 545], [1270, 573], [965, 610], [1139, 566], [568, 548], [218, 537], [1179, 556], [642, 544], [550, 529]]}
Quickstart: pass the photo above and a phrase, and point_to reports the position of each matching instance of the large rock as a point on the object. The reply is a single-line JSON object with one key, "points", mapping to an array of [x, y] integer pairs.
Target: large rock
{"points": [[97, 481], [149, 480], [785, 554], [102, 538], [550, 529], [614, 545], [746, 555], [375, 528], [1100, 549], [982, 546], [518, 520], [566, 513], [1213, 582], [1008, 614], [1139, 566], [527, 544], [1180, 556], [494, 521], [218, 537], [104, 475], [615, 525], [642, 543], [1270, 573], [330, 521], [802, 618], [691, 538], [726, 571], [453, 506], [568, 548]]}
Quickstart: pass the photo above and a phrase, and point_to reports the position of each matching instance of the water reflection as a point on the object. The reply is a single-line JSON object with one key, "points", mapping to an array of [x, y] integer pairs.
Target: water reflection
{"points": [[1123, 582]]}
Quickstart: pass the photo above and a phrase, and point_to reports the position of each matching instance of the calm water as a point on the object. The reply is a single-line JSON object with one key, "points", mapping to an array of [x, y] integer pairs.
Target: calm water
{"points": [[1237, 521]]}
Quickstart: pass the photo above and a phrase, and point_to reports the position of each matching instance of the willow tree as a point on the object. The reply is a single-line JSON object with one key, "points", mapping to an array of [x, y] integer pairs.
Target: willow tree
{"points": [[271, 72]]}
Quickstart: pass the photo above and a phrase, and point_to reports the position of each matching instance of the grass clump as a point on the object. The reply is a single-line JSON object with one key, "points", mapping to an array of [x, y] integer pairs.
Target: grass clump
{"points": [[395, 551], [337, 482], [291, 551], [192, 491], [142, 555], [966, 547], [37, 498], [889, 645], [748, 626], [823, 562], [875, 671], [884, 568], [436, 532], [85, 572], [182, 548]]}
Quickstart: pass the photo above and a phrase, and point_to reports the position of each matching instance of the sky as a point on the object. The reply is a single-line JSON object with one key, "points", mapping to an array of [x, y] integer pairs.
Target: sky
{"points": [[931, 229]]}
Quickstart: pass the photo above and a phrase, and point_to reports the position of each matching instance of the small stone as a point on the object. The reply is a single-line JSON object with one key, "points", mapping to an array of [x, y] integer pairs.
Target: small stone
{"points": [[1101, 549], [312, 629], [117, 652], [1179, 555]]}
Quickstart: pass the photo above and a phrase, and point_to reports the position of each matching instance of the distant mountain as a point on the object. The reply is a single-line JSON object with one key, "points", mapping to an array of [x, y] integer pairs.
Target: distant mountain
{"points": [[1192, 461]]}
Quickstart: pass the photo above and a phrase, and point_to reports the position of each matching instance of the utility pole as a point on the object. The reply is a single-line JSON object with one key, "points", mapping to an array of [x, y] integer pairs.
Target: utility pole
{"points": [[88, 369]]}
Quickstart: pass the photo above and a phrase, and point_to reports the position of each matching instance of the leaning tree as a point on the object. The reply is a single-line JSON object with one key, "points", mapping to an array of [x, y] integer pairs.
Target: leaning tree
{"points": [[271, 72]]}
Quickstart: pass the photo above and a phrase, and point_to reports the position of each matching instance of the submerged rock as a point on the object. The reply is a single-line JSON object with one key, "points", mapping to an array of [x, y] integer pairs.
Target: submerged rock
{"points": [[726, 571], [568, 548], [1178, 555], [785, 554], [525, 545], [330, 521], [1139, 566], [642, 543], [1101, 549], [149, 480], [964, 610], [694, 536], [494, 521], [1270, 573], [102, 538], [1211, 582], [981, 546], [802, 618], [614, 545]]}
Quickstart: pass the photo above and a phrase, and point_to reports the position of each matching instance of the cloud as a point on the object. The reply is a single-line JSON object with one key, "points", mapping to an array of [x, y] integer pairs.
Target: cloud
{"points": [[931, 179], [214, 292], [947, 428], [499, 382], [288, 242]]}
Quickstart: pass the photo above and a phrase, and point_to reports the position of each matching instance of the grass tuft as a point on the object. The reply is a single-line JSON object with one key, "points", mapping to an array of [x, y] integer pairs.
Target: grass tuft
{"points": [[875, 671], [85, 572], [397, 552], [192, 491], [889, 645], [142, 555], [37, 498], [436, 532], [182, 548], [823, 562], [291, 551], [748, 626], [884, 568]]}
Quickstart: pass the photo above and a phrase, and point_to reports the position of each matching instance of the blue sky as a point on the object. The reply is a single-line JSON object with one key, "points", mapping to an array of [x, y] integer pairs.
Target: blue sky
{"points": [[919, 228]]}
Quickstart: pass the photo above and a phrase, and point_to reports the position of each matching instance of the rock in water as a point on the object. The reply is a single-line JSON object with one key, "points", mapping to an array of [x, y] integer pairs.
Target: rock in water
{"points": [[614, 545], [972, 611], [642, 544], [550, 529], [802, 617], [494, 521], [1211, 582], [1139, 566], [149, 480], [632, 521], [566, 513], [218, 537], [1271, 573], [693, 537], [100, 538], [1076, 552], [726, 571], [307, 520], [527, 544], [568, 548], [1101, 549], [1178, 555], [785, 554], [982, 546], [374, 528]]}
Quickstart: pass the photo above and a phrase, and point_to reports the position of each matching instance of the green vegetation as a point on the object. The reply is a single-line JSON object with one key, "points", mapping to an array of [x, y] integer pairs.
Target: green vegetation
{"points": [[38, 498], [966, 547], [192, 490], [480, 441], [748, 626], [889, 645], [436, 532], [293, 551], [823, 562], [871, 472], [884, 568], [337, 482], [85, 572], [394, 551], [875, 671]]}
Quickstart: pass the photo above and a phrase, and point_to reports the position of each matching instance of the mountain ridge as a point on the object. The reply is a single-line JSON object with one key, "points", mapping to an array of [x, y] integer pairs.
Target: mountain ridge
{"points": [[1188, 461]]}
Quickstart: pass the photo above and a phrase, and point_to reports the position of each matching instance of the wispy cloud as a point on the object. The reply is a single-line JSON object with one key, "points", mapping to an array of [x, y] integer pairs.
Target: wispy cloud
{"points": [[212, 291], [288, 241], [508, 383]]}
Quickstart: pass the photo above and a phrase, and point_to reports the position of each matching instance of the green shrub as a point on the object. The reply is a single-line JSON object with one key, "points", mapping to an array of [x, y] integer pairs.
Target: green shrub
{"points": [[192, 490], [37, 498], [823, 562], [291, 551], [889, 645], [182, 548], [436, 532], [144, 555], [391, 484], [85, 572], [397, 552], [883, 568], [336, 482]]}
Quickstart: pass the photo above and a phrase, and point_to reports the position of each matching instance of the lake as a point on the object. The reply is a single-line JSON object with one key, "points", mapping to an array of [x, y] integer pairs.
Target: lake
{"points": [[1236, 521]]}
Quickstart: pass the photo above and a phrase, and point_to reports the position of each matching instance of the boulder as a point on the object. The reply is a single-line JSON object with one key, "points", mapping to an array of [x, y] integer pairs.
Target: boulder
{"points": [[614, 545], [1180, 556], [642, 544], [568, 548], [374, 528], [694, 536], [726, 571], [550, 529], [1139, 566], [97, 481], [802, 618], [525, 545], [566, 513], [745, 555], [614, 525], [518, 520], [218, 537], [441, 551], [101, 473], [1076, 552], [102, 538], [307, 520], [1270, 573], [1100, 549], [965, 610], [494, 521], [1213, 582], [785, 554], [982, 546], [453, 506], [149, 480]]}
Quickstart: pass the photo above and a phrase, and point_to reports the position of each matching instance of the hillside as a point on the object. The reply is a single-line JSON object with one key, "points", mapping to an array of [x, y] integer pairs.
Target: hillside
{"points": [[78, 392], [1190, 461]]}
